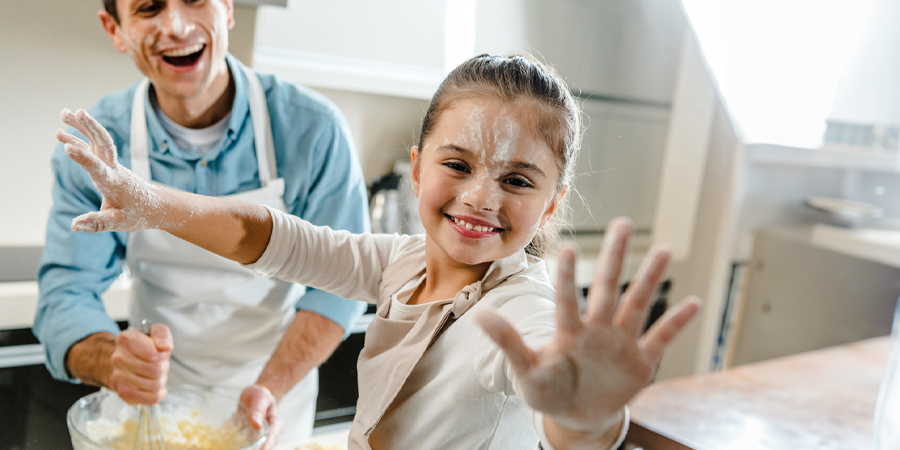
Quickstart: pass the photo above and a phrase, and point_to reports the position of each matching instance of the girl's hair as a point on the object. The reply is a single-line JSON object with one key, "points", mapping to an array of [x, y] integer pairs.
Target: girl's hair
{"points": [[557, 118]]}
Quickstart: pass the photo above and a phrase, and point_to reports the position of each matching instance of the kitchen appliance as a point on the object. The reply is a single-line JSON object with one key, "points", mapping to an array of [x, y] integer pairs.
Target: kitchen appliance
{"points": [[393, 206]]}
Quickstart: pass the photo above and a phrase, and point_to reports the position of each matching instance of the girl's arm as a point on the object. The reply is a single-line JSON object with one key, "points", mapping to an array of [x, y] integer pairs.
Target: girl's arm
{"points": [[346, 264], [599, 360], [235, 230]]}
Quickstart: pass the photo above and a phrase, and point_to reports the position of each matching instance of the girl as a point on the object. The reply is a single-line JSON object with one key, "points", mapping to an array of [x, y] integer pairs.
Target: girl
{"points": [[448, 359]]}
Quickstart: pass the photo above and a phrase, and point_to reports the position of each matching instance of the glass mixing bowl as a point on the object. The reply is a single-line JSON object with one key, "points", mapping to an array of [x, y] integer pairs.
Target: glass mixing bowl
{"points": [[190, 419]]}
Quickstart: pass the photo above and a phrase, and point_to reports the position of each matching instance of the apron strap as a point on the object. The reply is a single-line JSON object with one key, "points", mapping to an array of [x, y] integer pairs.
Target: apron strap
{"points": [[259, 116], [140, 160], [262, 128]]}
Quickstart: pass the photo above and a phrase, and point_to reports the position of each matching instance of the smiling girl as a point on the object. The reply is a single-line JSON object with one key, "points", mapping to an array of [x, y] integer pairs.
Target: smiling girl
{"points": [[449, 359]]}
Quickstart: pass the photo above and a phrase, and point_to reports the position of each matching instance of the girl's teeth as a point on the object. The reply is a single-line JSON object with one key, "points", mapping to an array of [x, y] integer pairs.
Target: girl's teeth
{"points": [[469, 226]]}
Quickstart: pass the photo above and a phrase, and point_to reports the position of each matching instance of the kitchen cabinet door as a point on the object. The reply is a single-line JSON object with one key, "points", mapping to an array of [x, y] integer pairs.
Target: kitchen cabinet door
{"points": [[618, 167]]}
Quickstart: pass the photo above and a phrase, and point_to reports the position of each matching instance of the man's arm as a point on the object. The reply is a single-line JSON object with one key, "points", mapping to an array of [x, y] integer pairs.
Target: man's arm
{"points": [[90, 359], [308, 342]]}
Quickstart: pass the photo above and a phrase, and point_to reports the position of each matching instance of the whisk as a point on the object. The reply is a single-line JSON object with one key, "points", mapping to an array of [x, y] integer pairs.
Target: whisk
{"points": [[148, 435]]}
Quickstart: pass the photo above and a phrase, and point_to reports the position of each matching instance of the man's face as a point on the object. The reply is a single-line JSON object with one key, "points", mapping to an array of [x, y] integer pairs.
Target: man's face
{"points": [[179, 44]]}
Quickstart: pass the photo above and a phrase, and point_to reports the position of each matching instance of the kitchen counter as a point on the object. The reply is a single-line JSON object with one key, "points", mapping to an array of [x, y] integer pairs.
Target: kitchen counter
{"points": [[824, 399], [877, 245]]}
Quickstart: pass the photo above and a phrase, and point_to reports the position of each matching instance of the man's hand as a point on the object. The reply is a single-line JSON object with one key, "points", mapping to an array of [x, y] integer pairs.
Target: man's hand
{"points": [[599, 360], [129, 203], [259, 406], [132, 364], [307, 343], [140, 365]]}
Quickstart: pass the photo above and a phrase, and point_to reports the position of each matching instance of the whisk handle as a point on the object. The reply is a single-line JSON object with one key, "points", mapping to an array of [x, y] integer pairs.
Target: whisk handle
{"points": [[145, 326]]}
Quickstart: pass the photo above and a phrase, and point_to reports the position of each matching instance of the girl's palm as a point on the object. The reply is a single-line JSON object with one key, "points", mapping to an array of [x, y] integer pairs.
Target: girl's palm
{"points": [[599, 360]]}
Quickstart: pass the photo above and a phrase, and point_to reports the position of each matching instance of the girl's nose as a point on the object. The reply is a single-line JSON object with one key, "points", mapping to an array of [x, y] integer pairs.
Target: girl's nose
{"points": [[482, 194]]}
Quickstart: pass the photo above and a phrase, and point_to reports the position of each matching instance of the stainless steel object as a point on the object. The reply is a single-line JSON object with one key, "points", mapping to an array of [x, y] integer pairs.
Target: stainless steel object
{"points": [[393, 206], [149, 434]]}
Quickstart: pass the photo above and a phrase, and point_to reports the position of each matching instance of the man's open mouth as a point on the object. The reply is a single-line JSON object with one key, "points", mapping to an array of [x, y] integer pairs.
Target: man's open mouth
{"points": [[184, 57]]}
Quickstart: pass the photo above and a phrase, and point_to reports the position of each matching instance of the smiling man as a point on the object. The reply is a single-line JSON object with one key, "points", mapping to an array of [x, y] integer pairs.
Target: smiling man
{"points": [[200, 122]]}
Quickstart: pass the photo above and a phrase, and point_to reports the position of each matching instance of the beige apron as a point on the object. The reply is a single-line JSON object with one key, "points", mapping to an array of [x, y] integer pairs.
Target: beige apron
{"points": [[226, 321], [394, 347]]}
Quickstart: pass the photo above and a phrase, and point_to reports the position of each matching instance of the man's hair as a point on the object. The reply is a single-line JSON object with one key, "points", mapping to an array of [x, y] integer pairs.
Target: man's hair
{"points": [[110, 7]]}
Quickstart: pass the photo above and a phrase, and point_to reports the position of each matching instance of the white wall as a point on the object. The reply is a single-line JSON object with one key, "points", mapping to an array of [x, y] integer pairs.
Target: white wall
{"points": [[55, 55], [383, 127], [408, 32]]}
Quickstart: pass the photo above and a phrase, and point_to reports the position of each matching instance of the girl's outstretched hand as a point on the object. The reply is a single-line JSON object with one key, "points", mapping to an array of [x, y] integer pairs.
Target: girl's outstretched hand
{"points": [[129, 202], [599, 360]]}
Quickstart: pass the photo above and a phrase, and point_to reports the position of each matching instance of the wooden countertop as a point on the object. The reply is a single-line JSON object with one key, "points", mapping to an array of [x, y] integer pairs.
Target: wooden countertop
{"points": [[822, 400]]}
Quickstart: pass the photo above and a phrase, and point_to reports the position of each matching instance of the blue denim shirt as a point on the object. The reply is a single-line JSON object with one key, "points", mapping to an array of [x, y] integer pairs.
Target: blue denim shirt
{"points": [[314, 154]]}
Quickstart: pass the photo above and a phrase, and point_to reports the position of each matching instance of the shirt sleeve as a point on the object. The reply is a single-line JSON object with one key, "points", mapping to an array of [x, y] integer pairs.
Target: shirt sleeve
{"points": [[75, 269], [336, 261], [337, 198], [538, 420]]}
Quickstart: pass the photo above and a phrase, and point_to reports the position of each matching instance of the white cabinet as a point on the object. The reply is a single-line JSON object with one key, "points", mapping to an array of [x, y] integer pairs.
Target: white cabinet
{"points": [[618, 167], [626, 49]]}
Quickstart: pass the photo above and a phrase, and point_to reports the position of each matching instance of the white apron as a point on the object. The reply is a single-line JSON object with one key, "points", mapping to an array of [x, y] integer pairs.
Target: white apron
{"points": [[226, 321]]}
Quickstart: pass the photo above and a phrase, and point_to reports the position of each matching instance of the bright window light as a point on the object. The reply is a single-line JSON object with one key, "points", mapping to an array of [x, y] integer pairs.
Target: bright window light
{"points": [[778, 63]]}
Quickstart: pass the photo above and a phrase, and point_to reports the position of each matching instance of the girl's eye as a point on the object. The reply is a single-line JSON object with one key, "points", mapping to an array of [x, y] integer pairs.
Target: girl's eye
{"points": [[518, 182], [457, 166]]}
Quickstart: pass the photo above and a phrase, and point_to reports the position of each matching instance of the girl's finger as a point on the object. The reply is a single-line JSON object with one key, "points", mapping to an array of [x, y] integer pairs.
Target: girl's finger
{"points": [[632, 314], [103, 142], [92, 222], [87, 160], [71, 119], [519, 355], [604, 289], [567, 316], [662, 332], [67, 138]]}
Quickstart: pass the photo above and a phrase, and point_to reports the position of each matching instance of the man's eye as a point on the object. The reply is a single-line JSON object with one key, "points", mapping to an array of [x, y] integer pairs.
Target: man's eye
{"points": [[150, 8], [518, 182]]}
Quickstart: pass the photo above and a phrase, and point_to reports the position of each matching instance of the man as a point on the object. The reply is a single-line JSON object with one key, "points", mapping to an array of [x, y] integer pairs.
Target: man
{"points": [[200, 122]]}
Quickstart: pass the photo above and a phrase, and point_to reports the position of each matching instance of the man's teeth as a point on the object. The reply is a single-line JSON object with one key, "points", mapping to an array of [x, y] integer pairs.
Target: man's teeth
{"points": [[183, 51], [469, 226]]}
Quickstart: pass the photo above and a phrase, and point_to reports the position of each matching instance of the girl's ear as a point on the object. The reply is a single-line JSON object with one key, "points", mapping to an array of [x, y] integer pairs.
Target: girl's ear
{"points": [[552, 208], [413, 154]]}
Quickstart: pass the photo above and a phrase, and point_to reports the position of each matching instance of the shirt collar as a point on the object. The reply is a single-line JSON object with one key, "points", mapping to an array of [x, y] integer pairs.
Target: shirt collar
{"points": [[240, 109]]}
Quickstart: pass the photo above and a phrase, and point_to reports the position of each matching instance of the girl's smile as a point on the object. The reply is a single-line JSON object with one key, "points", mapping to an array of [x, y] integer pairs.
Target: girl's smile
{"points": [[485, 182]]}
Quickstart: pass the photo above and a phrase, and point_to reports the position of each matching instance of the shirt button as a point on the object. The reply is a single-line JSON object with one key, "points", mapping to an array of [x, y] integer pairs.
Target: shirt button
{"points": [[163, 145], [204, 162]]}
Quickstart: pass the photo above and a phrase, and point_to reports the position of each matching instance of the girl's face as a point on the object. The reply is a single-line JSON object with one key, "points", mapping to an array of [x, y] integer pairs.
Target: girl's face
{"points": [[485, 182]]}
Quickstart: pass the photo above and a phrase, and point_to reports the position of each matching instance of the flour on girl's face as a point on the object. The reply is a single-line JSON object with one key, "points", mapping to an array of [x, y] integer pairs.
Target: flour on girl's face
{"points": [[495, 143]]}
